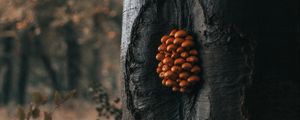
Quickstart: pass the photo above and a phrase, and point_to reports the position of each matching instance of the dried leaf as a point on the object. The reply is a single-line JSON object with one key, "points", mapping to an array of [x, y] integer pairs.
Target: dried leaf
{"points": [[20, 113], [47, 116], [44, 101], [57, 98], [70, 94], [29, 112], [35, 113], [117, 100], [37, 98]]}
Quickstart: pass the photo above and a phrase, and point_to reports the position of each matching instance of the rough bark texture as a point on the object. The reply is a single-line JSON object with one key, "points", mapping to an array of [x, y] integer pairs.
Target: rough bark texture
{"points": [[236, 84]]}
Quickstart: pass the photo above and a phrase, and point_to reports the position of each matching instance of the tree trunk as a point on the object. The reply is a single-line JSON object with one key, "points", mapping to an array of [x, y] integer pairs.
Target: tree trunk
{"points": [[47, 62], [96, 50], [237, 85], [44, 17], [8, 59], [73, 55], [94, 69], [24, 65]]}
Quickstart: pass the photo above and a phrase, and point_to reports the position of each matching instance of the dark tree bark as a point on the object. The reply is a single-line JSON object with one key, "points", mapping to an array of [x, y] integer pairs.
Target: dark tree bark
{"points": [[96, 64], [47, 62], [8, 59], [73, 55], [237, 85], [7, 39], [24, 65]]}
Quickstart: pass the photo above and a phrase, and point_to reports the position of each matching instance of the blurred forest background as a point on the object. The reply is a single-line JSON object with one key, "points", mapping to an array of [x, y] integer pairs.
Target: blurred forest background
{"points": [[59, 45]]}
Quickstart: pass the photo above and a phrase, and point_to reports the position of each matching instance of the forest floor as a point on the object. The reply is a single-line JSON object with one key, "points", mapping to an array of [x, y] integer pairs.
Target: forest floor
{"points": [[72, 110]]}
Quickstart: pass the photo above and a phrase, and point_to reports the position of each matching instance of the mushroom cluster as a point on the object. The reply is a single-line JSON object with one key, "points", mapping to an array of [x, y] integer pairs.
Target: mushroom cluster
{"points": [[178, 62]]}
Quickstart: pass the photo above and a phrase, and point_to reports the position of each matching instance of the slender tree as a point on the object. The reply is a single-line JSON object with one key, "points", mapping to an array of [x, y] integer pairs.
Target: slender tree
{"points": [[8, 42], [24, 63], [7, 83], [248, 52], [46, 61], [43, 25], [73, 55]]}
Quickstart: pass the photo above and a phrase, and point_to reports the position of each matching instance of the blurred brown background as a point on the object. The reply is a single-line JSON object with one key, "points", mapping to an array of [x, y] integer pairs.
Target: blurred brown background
{"points": [[58, 45]]}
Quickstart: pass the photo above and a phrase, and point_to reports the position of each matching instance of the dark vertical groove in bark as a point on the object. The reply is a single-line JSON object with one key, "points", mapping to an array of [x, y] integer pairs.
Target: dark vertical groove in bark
{"points": [[8, 59], [228, 59], [73, 55], [24, 65]]}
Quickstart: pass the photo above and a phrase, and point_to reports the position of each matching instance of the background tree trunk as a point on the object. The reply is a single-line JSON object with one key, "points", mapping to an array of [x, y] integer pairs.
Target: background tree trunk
{"points": [[73, 55], [8, 75], [8, 40], [47, 62], [237, 85], [24, 64]]}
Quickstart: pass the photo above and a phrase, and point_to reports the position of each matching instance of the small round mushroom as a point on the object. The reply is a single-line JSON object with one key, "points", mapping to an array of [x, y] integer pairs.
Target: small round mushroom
{"points": [[175, 88], [180, 33], [184, 54], [189, 37], [170, 41], [171, 47], [178, 41], [184, 75], [183, 83], [162, 47], [175, 69], [165, 68], [164, 81], [192, 59], [193, 52], [164, 38], [183, 90], [196, 69], [158, 69], [168, 61], [169, 74], [179, 49], [187, 44], [170, 83], [174, 55], [179, 61], [160, 56], [186, 66], [162, 74], [193, 78], [172, 33]]}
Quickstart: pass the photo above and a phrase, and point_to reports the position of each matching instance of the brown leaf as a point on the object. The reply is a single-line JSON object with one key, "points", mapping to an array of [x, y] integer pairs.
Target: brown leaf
{"points": [[28, 114], [20, 113], [57, 98], [38, 98], [70, 94], [35, 113], [47, 116]]}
